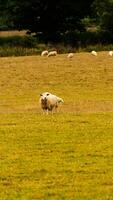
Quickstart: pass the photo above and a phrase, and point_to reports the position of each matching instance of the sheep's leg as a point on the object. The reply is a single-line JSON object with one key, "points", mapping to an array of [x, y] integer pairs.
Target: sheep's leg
{"points": [[56, 108], [47, 112], [43, 112], [51, 109], [52, 112]]}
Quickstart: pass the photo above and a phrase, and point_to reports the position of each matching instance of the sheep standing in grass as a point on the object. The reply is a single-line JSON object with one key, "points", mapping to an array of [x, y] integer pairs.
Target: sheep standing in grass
{"points": [[49, 101], [44, 53], [110, 53], [70, 55], [52, 53], [94, 53]]}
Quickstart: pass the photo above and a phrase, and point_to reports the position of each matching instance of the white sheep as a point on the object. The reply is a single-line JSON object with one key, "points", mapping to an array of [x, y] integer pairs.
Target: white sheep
{"points": [[52, 53], [110, 53], [94, 53], [44, 53], [70, 55], [49, 101]]}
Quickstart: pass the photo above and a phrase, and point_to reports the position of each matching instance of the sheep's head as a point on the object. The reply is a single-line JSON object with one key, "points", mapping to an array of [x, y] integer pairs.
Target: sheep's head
{"points": [[44, 95], [43, 100]]}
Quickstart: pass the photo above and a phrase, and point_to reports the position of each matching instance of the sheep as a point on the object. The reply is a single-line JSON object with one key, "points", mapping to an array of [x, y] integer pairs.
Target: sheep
{"points": [[44, 53], [94, 53], [70, 55], [49, 101], [110, 53], [52, 53]]}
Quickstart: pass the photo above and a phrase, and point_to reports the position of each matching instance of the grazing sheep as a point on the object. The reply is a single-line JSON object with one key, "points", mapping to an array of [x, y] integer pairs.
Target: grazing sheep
{"points": [[94, 53], [52, 53], [49, 101], [110, 53], [44, 53], [70, 55]]}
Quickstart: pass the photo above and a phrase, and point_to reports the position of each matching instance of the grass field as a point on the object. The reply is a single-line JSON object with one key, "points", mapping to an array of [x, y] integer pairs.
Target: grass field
{"points": [[67, 155]]}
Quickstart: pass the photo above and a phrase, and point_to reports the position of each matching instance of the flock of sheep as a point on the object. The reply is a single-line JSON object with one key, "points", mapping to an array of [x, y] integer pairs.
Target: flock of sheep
{"points": [[54, 53], [48, 54], [48, 101], [94, 53], [70, 55]]}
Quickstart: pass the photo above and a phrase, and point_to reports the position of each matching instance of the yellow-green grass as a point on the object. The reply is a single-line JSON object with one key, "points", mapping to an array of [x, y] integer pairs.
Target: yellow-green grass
{"points": [[67, 155], [12, 33]]}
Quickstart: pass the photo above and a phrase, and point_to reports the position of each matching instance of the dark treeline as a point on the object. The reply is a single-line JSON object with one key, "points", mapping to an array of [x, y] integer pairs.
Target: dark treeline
{"points": [[69, 21]]}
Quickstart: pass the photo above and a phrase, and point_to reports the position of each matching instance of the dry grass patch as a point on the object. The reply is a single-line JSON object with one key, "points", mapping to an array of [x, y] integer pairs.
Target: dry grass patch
{"points": [[12, 33], [84, 82]]}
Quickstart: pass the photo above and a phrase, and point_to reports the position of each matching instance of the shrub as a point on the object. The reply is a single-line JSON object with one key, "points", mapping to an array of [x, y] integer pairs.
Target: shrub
{"points": [[17, 51], [23, 41]]}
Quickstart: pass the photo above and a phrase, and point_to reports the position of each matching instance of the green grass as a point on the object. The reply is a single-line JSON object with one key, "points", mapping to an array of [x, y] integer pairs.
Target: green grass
{"points": [[64, 156]]}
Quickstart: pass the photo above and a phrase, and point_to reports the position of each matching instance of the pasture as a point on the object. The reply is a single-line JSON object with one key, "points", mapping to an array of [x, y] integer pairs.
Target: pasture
{"points": [[67, 155]]}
